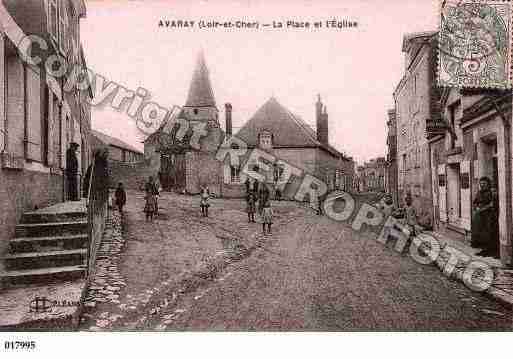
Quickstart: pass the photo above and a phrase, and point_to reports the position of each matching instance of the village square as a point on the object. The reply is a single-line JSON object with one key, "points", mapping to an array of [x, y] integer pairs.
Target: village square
{"points": [[266, 226]]}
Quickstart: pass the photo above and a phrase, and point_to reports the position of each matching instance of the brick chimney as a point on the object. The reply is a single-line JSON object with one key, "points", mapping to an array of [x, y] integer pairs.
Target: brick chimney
{"points": [[321, 115], [228, 116]]}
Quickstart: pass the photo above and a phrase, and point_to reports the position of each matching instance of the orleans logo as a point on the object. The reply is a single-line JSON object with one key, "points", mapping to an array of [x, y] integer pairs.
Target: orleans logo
{"points": [[40, 305]]}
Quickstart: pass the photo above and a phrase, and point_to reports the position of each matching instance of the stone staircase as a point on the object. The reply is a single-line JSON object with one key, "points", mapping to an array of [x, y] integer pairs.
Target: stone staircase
{"points": [[49, 245]]}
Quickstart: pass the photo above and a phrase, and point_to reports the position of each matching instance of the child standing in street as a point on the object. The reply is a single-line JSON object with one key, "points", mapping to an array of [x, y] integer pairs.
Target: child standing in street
{"points": [[205, 194], [120, 196], [251, 206], [267, 217], [151, 199]]}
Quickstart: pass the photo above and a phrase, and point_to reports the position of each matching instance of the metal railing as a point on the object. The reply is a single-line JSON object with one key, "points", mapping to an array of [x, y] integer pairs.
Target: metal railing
{"points": [[97, 201]]}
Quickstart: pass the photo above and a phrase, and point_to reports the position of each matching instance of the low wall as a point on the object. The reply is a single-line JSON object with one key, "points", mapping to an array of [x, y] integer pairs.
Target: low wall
{"points": [[132, 175]]}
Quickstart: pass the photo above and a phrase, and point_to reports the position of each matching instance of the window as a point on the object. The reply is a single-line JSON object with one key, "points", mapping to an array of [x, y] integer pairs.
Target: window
{"points": [[34, 132], [452, 124], [56, 132], [53, 19], [265, 140], [441, 180], [195, 111], [278, 173], [68, 130], [234, 174], [63, 26], [45, 148]]}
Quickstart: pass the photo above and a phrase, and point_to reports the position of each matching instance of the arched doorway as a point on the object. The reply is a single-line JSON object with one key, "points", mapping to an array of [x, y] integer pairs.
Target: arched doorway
{"points": [[172, 171]]}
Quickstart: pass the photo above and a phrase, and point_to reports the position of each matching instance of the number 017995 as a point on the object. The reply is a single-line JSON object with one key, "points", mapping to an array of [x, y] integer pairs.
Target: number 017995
{"points": [[19, 345]]}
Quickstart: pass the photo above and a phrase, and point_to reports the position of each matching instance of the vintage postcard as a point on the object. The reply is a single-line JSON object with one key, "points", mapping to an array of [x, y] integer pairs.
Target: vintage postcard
{"points": [[249, 166]]}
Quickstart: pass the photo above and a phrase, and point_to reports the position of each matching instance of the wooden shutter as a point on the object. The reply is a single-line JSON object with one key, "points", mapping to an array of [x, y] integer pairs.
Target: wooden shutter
{"points": [[33, 114], [442, 192], [466, 195]]}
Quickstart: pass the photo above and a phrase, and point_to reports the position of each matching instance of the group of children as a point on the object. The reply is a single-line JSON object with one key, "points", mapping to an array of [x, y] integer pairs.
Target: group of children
{"points": [[152, 190], [266, 211], [251, 208], [386, 205]]}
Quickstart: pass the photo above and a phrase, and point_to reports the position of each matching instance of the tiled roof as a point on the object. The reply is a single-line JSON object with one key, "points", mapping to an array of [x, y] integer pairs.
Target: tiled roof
{"points": [[200, 90], [112, 141], [288, 129]]}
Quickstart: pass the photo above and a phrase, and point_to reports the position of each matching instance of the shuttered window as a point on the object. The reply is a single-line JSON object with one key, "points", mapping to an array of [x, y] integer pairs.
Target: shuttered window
{"points": [[33, 115], [52, 19], [63, 26], [56, 132]]}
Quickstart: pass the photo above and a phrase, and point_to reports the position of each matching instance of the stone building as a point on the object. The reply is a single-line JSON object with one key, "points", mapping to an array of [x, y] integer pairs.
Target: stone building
{"points": [[416, 102], [372, 175], [38, 120], [119, 151], [185, 167], [472, 140], [391, 159], [275, 129], [180, 165]]}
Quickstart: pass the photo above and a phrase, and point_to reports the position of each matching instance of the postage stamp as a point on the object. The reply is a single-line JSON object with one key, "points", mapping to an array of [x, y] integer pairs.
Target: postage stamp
{"points": [[475, 44]]}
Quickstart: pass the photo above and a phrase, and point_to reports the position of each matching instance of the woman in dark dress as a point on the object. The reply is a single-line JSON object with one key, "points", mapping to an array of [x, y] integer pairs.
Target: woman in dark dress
{"points": [[151, 198], [484, 219], [120, 196]]}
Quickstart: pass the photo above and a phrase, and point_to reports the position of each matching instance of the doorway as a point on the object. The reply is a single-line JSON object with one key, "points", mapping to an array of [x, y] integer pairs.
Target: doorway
{"points": [[172, 172], [453, 194], [488, 167]]}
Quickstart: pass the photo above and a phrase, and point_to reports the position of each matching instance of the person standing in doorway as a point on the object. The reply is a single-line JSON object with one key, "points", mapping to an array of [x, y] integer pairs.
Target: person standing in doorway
{"points": [[484, 219], [72, 171]]}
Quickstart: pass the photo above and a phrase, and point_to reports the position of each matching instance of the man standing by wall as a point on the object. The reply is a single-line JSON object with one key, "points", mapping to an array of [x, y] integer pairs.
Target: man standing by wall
{"points": [[72, 171]]}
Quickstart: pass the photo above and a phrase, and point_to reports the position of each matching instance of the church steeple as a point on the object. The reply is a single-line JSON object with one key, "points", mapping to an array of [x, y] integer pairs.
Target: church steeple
{"points": [[200, 90]]}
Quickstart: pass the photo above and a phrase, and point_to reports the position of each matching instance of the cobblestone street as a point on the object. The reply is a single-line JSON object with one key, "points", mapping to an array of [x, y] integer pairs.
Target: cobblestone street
{"points": [[185, 272]]}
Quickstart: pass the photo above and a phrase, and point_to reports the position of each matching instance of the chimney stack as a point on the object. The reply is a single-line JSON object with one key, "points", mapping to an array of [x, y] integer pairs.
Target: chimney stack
{"points": [[322, 121], [228, 116]]}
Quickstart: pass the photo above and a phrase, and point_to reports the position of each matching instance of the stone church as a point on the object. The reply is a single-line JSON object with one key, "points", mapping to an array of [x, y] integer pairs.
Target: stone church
{"points": [[273, 128], [180, 166]]}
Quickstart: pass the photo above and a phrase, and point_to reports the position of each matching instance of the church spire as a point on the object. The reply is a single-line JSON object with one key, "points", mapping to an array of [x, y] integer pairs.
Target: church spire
{"points": [[200, 90]]}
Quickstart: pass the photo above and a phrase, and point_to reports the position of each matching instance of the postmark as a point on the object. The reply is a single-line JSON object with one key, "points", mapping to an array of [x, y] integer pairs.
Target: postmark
{"points": [[475, 44]]}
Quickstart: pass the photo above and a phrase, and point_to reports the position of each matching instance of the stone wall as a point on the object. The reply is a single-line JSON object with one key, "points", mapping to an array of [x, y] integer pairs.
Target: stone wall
{"points": [[133, 175]]}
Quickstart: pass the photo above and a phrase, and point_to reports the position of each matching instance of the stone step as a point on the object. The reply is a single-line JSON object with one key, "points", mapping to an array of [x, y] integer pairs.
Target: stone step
{"points": [[42, 274], [35, 260], [39, 244], [38, 217], [43, 229]]}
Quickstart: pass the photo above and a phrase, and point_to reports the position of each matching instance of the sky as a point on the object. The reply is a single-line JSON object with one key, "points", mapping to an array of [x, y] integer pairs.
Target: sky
{"points": [[355, 70]]}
